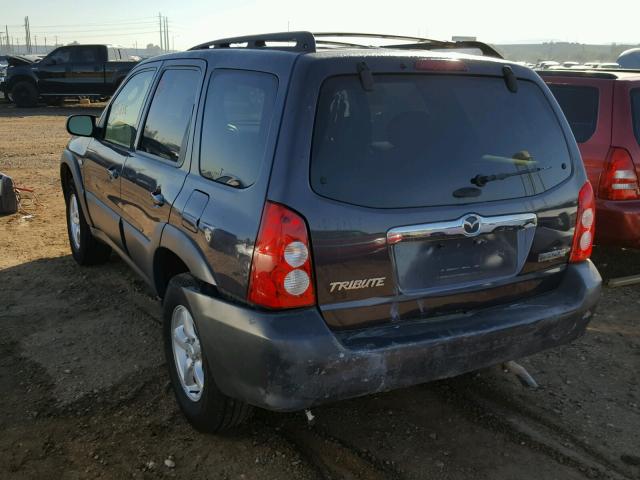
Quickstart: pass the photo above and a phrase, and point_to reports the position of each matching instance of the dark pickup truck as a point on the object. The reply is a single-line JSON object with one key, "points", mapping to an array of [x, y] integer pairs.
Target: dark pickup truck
{"points": [[70, 71]]}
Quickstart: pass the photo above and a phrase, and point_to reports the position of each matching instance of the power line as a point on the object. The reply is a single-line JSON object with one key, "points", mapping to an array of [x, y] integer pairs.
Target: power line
{"points": [[102, 27], [107, 32], [123, 22], [104, 35], [65, 33]]}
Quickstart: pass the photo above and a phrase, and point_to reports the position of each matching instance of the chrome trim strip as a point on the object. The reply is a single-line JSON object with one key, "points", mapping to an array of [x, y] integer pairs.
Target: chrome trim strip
{"points": [[456, 227]]}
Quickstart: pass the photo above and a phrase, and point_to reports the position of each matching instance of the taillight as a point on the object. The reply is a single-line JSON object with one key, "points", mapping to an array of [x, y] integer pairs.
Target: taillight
{"points": [[281, 274], [585, 225], [619, 181]]}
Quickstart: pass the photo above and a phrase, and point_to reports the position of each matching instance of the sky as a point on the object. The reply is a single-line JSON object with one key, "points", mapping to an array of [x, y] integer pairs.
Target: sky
{"points": [[125, 22]]}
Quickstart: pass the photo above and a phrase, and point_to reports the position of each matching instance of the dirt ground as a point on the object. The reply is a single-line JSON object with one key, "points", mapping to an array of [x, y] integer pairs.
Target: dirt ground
{"points": [[84, 392]]}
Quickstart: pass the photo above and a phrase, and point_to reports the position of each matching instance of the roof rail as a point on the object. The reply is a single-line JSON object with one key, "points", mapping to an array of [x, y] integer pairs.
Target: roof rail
{"points": [[306, 42], [371, 35], [486, 50], [578, 73]]}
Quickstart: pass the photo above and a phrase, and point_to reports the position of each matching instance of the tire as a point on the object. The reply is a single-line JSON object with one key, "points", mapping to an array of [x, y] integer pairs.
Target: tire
{"points": [[204, 405], [85, 248], [24, 94]]}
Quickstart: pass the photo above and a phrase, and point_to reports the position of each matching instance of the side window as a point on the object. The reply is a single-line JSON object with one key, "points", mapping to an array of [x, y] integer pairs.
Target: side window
{"points": [[580, 106], [635, 110], [167, 124], [85, 55], [59, 56], [237, 118], [125, 109], [111, 54]]}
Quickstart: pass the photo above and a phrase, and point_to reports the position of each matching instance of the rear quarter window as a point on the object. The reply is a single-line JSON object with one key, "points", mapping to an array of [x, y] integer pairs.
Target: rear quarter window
{"points": [[422, 140], [237, 118], [580, 106]]}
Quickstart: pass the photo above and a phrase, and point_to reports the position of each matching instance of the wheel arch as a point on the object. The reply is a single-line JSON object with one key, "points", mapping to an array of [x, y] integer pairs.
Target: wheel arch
{"points": [[70, 175], [21, 78], [176, 254]]}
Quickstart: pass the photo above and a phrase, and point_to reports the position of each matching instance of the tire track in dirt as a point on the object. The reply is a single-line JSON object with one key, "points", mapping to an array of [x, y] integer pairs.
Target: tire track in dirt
{"points": [[484, 406], [331, 457]]}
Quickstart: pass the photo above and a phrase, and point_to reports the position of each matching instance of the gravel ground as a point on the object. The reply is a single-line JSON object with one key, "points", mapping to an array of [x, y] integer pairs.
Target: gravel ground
{"points": [[85, 393]]}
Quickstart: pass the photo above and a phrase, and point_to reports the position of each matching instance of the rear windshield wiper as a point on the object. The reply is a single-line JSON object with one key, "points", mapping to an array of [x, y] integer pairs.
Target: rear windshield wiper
{"points": [[481, 180]]}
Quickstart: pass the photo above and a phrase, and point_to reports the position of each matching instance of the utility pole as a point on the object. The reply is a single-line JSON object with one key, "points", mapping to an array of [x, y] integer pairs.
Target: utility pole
{"points": [[6, 31], [166, 33], [27, 34], [161, 39], [35, 41]]}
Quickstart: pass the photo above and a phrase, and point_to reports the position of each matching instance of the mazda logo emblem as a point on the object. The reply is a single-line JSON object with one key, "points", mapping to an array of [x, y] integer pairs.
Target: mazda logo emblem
{"points": [[471, 226]]}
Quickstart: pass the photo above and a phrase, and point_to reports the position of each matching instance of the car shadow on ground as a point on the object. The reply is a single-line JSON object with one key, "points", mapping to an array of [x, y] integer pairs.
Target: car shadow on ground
{"points": [[615, 262], [82, 363]]}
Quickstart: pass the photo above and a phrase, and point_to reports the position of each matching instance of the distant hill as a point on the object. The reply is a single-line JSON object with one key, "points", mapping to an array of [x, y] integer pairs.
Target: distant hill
{"points": [[563, 52]]}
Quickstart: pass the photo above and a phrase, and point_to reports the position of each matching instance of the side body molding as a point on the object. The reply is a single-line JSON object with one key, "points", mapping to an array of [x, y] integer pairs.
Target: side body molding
{"points": [[180, 244]]}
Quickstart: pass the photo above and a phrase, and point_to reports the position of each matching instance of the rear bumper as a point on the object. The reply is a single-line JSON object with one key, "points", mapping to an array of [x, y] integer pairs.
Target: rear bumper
{"points": [[618, 223], [290, 361]]}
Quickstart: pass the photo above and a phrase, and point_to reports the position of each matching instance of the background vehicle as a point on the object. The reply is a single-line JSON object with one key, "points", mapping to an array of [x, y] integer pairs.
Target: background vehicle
{"points": [[608, 66], [70, 71], [630, 58], [3, 72], [324, 219], [548, 64], [603, 109]]}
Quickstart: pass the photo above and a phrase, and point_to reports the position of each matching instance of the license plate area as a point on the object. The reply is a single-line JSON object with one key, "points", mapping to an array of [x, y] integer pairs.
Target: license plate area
{"points": [[457, 260], [471, 250]]}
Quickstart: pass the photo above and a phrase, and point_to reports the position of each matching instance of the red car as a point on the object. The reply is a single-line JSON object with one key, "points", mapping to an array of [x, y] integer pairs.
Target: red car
{"points": [[603, 109]]}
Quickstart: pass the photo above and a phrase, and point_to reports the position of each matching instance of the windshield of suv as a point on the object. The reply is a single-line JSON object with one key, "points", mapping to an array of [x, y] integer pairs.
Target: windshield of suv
{"points": [[425, 140]]}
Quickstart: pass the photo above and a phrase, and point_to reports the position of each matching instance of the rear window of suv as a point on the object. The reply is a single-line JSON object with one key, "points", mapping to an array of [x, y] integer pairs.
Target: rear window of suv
{"points": [[580, 106], [427, 140], [635, 108]]}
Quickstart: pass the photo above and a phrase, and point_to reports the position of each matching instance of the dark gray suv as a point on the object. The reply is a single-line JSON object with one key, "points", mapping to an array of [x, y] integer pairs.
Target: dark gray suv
{"points": [[325, 219]]}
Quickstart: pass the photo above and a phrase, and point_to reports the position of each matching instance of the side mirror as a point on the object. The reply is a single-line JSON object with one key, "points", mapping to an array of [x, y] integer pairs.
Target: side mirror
{"points": [[81, 125]]}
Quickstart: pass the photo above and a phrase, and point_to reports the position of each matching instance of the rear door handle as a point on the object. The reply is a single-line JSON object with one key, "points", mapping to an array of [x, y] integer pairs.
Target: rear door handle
{"points": [[113, 172], [158, 199]]}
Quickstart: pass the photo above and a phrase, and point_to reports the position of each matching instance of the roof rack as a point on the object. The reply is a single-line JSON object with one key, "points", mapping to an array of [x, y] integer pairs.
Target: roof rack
{"points": [[307, 42], [303, 42], [418, 43]]}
